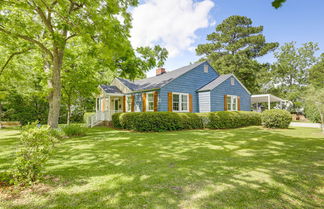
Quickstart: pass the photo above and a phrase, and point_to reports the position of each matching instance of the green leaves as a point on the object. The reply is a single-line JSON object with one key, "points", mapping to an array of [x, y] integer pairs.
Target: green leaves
{"points": [[316, 74], [233, 48], [278, 3]]}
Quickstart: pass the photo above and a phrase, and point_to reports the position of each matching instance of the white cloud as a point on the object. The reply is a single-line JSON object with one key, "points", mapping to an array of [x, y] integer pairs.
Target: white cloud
{"points": [[170, 23]]}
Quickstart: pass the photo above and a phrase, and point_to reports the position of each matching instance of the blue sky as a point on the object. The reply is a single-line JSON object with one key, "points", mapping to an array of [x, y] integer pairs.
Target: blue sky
{"points": [[298, 20]]}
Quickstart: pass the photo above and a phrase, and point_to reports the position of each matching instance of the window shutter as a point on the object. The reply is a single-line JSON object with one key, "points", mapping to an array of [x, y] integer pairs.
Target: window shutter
{"points": [[225, 102], [133, 103], [170, 101], [238, 103], [144, 102], [124, 103], [155, 101], [190, 102]]}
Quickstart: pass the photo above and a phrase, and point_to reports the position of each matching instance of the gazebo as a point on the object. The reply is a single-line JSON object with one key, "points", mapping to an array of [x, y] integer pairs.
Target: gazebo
{"points": [[265, 98]]}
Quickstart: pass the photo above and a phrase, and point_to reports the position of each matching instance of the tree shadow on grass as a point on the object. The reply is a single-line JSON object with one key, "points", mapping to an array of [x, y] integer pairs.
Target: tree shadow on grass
{"points": [[239, 168]]}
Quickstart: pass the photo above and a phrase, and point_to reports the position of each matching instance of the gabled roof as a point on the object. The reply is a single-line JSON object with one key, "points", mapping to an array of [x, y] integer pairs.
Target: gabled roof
{"points": [[216, 82], [110, 89], [219, 80], [129, 84], [159, 81]]}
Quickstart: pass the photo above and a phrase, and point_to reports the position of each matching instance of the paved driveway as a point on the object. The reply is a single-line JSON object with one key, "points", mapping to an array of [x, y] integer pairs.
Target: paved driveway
{"points": [[310, 125]]}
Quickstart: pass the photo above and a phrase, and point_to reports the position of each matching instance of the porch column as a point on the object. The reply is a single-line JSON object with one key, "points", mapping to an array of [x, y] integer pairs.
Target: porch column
{"points": [[96, 104], [268, 102], [257, 106]]}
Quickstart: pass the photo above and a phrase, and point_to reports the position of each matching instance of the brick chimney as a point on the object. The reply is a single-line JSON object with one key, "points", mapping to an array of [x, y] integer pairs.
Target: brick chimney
{"points": [[160, 71]]}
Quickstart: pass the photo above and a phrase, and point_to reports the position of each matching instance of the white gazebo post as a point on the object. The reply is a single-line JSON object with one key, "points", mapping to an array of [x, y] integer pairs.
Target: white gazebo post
{"points": [[268, 101]]}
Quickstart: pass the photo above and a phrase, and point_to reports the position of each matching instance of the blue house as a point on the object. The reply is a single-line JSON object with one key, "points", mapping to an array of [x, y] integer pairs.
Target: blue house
{"points": [[194, 88]]}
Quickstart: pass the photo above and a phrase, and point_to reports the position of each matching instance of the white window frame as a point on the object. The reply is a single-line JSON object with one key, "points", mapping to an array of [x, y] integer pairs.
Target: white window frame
{"points": [[127, 105], [205, 68], [232, 81], [180, 102], [148, 102], [233, 97]]}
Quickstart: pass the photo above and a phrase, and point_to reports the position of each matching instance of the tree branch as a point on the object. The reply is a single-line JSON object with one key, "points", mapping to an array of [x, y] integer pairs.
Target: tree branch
{"points": [[11, 57], [71, 36], [29, 39], [47, 21]]}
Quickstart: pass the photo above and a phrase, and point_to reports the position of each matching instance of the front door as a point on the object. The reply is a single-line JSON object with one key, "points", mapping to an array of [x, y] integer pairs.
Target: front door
{"points": [[117, 105]]}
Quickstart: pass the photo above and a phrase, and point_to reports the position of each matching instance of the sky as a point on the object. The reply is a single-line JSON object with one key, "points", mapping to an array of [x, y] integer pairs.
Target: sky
{"points": [[181, 25]]}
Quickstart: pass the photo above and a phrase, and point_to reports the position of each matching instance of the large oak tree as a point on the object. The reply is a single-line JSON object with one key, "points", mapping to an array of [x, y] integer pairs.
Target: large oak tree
{"points": [[49, 26]]}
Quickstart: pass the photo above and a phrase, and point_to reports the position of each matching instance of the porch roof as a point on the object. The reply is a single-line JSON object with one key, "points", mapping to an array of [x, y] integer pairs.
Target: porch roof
{"points": [[259, 98], [111, 89]]}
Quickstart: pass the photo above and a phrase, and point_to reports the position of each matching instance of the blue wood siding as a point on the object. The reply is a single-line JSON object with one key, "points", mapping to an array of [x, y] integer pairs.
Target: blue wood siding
{"points": [[138, 99], [189, 82], [225, 88]]}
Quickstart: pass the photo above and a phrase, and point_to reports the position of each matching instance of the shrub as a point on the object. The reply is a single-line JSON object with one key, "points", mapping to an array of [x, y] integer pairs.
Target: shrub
{"points": [[235, 119], [151, 121], [37, 146], [190, 121], [74, 130], [116, 120], [276, 118], [312, 113], [169, 121], [6, 179]]}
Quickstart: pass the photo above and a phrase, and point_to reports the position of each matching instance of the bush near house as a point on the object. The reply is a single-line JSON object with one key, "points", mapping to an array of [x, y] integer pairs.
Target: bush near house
{"points": [[74, 130], [276, 118], [227, 119], [171, 121]]}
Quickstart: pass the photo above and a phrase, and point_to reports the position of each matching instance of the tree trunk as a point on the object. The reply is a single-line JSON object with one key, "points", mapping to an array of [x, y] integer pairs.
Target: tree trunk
{"points": [[54, 98], [68, 114]]}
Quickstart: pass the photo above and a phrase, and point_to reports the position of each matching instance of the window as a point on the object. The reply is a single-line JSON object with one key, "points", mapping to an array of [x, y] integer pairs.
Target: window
{"points": [[175, 102], [232, 81], [206, 68], [180, 102], [128, 103], [231, 103], [149, 102]]}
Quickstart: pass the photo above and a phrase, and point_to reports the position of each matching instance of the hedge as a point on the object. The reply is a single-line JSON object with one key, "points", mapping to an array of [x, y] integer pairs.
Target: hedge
{"points": [[276, 118], [227, 119], [171, 121]]}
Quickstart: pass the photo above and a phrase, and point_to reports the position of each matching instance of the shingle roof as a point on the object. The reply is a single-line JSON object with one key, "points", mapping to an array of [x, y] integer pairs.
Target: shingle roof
{"points": [[158, 81], [213, 84], [111, 89], [132, 86]]}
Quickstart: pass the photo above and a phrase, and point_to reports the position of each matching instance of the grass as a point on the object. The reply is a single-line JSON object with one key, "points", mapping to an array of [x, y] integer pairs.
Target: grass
{"points": [[239, 168]]}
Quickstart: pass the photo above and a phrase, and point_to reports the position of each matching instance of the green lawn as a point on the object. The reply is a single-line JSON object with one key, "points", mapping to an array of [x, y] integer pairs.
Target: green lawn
{"points": [[239, 168]]}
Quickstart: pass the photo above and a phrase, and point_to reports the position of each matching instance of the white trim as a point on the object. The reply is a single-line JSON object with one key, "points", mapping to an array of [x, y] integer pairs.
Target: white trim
{"points": [[204, 101], [147, 102], [123, 84], [210, 89], [126, 103], [180, 101], [232, 99], [232, 81], [267, 95], [241, 84]]}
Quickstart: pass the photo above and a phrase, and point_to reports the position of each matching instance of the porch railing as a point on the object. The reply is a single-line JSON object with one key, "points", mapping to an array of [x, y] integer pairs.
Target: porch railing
{"points": [[99, 117]]}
